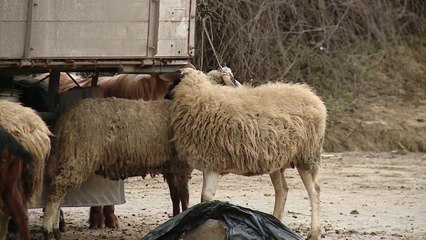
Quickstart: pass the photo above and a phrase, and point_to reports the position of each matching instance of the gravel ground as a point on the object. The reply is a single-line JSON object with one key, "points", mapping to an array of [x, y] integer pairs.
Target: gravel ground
{"points": [[364, 195]]}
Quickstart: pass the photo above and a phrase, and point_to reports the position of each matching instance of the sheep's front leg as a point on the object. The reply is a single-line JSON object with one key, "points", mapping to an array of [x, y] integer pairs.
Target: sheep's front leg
{"points": [[69, 177], [210, 182], [179, 191], [52, 211], [4, 222], [309, 179], [51, 220], [281, 191]]}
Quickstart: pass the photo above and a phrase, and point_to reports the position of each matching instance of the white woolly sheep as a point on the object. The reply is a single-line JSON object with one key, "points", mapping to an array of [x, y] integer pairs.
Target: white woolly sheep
{"points": [[250, 131], [115, 138], [32, 133], [130, 86]]}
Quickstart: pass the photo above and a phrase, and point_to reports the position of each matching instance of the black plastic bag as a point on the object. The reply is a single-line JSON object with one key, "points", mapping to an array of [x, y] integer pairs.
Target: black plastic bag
{"points": [[239, 222]]}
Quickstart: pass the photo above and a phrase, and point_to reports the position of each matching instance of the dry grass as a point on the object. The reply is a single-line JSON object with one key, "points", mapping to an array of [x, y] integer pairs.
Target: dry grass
{"points": [[360, 56], [275, 40]]}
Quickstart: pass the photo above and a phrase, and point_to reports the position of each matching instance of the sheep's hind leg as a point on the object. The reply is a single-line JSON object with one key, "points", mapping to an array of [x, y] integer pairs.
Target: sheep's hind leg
{"points": [[17, 209], [309, 179], [210, 182], [102, 215], [111, 221], [183, 190], [179, 190], [174, 192], [96, 217], [281, 191]]}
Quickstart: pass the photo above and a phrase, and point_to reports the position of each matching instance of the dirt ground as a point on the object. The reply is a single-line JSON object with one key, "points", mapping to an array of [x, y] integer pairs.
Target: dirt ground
{"points": [[364, 195]]}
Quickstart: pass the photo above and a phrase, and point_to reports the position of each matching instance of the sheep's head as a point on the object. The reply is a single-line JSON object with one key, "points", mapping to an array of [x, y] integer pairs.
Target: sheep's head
{"points": [[176, 77], [190, 71], [224, 76], [194, 77]]}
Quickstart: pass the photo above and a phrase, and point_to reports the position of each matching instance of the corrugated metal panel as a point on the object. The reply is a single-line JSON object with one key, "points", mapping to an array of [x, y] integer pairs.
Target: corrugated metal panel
{"points": [[9, 31], [95, 191], [13, 10], [13, 17], [173, 29], [90, 28], [64, 34]]}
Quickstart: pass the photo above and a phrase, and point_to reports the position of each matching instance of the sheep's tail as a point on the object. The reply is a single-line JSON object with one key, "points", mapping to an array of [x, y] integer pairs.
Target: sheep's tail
{"points": [[14, 146]]}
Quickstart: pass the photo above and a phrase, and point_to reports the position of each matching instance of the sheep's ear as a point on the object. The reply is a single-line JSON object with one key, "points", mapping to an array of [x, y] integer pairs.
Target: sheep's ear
{"points": [[228, 80]]}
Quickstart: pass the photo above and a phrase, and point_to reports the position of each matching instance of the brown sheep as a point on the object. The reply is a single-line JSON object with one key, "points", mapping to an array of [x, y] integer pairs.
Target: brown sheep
{"points": [[25, 145]]}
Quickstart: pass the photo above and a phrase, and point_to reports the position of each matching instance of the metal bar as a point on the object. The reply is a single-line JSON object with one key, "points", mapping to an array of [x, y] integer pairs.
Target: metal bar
{"points": [[76, 83], [191, 30], [151, 69], [95, 78], [153, 23], [53, 91], [25, 67], [28, 30], [76, 64], [41, 80]]}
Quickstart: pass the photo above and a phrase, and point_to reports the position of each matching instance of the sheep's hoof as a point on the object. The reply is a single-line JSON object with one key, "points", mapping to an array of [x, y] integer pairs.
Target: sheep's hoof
{"points": [[11, 236], [96, 218], [48, 235], [62, 227], [62, 224], [12, 227], [111, 221], [310, 237], [57, 234], [95, 224]]}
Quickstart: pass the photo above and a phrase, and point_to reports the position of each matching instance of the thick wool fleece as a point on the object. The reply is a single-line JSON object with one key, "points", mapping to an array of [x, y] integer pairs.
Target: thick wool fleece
{"points": [[247, 130], [31, 131], [114, 137]]}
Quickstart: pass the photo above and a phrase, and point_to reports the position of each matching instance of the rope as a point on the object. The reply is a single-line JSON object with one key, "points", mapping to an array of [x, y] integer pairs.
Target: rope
{"points": [[211, 45], [208, 14]]}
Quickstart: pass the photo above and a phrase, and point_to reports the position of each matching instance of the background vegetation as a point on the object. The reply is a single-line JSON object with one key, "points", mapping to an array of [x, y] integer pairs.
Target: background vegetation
{"points": [[350, 51]]}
